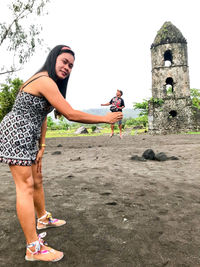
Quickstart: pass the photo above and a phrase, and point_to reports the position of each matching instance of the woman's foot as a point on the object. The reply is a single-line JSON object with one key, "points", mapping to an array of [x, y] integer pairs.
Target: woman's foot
{"points": [[39, 251], [46, 221]]}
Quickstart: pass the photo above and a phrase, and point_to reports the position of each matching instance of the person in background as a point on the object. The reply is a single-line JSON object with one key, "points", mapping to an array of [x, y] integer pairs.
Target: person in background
{"points": [[22, 145], [117, 104]]}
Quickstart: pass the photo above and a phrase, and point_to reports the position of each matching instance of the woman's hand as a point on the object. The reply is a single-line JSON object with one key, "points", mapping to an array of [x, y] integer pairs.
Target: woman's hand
{"points": [[113, 117], [39, 159]]}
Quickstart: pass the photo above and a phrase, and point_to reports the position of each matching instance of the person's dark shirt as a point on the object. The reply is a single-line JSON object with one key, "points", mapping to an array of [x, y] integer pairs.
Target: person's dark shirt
{"points": [[118, 102]]}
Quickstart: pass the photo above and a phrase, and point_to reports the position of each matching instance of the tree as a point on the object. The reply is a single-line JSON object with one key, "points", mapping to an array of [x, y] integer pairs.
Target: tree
{"points": [[195, 96], [8, 94], [142, 107], [50, 122], [19, 36], [143, 115]]}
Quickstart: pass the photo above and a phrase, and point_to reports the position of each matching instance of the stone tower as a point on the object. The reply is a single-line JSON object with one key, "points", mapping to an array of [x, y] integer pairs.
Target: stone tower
{"points": [[170, 108]]}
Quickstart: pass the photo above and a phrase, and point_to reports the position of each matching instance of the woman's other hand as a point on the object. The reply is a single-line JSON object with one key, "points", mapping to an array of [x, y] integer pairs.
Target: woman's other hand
{"points": [[113, 117], [39, 159]]}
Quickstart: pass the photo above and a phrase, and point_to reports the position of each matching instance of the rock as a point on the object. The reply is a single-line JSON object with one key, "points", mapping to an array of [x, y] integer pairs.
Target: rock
{"points": [[59, 145], [81, 130], [76, 159], [149, 154], [105, 194], [70, 176], [173, 158], [97, 131], [56, 153], [113, 203], [137, 158], [161, 156]]}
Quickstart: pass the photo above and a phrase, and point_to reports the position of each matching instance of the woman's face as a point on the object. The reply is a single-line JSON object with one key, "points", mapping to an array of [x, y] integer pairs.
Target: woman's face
{"points": [[64, 65]]}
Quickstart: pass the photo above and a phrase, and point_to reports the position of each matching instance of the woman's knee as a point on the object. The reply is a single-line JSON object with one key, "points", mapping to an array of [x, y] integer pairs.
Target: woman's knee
{"points": [[23, 179]]}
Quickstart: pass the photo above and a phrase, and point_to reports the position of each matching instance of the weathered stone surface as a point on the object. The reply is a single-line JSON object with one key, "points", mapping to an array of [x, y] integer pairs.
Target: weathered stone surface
{"points": [[168, 33], [170, 109]]}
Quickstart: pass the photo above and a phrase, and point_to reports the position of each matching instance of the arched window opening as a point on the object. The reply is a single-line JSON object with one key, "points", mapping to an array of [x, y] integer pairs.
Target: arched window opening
{"points": [[169, 86], [168, 58], [172, 113]]}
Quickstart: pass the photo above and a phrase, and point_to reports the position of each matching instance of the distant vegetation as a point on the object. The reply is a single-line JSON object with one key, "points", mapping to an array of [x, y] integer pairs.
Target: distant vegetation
{"points": [[136, 118]]}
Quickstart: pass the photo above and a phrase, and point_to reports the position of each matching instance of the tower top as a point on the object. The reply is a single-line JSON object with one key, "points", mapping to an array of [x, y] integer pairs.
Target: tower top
{"points": [[168, 33]]}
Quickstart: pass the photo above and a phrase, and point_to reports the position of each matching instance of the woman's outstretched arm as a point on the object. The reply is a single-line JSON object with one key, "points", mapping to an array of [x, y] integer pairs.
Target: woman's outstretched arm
{"points": [[50, 91]]}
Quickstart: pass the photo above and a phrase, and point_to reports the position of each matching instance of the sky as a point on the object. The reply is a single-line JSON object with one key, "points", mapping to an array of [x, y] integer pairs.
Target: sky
{"points": [[111, 40]]}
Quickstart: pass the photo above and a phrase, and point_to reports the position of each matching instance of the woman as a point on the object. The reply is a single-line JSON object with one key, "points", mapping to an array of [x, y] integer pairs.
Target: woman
{"points": [[22, 144]]}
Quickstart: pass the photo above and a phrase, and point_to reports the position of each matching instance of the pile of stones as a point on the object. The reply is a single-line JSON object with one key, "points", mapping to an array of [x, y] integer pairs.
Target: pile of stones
{"points": [[149, 154]]}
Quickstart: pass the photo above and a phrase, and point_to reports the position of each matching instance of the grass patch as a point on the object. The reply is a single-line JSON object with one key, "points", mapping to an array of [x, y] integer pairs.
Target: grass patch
{"points": [[104, 131], [71, 133], [193, 133]]}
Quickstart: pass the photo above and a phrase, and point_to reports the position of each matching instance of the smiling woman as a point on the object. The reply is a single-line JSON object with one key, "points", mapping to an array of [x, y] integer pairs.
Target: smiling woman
{"points": [[64, 65], [22, 144]]}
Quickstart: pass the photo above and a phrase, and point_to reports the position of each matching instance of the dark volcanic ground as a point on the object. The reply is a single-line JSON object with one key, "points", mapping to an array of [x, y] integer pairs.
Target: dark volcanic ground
{"points": [[119, 212]]}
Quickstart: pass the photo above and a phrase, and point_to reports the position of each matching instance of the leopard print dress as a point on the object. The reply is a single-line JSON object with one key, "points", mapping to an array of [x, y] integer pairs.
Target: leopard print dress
{"points": [[20, 129]]}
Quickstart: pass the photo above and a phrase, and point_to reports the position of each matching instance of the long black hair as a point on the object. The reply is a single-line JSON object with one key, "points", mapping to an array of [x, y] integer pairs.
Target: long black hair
{"points": [[50, 64]]}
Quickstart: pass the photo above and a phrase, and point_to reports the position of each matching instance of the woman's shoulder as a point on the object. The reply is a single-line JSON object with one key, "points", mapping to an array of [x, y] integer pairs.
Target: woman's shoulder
{"points": [[40, 76], [38, 83]]}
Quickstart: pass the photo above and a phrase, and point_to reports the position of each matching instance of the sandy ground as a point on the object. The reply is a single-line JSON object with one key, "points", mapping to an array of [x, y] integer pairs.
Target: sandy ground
{"points": [[119, 212]]}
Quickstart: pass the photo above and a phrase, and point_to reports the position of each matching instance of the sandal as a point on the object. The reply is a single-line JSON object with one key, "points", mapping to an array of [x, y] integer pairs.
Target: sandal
{"points": [[42, 251], [50, 223]]}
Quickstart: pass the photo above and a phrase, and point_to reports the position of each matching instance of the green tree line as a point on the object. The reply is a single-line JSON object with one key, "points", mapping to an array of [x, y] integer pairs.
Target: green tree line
{"points": [[9, 90]]}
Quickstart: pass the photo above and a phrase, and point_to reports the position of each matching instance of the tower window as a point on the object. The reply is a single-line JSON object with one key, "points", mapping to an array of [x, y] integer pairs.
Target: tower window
{"points": [[169, 86], [172, 113], [168, 58]]}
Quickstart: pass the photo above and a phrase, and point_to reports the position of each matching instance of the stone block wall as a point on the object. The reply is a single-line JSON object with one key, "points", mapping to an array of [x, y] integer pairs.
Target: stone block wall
{"points": [[174, 115]]}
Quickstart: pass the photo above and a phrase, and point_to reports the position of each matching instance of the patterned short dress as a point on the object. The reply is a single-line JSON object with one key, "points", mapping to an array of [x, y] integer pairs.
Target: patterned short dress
{"points": [[20, 129]]}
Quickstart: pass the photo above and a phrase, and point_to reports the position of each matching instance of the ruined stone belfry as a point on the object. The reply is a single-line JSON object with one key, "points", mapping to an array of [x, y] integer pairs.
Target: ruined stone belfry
{"points": [[170, 108]]}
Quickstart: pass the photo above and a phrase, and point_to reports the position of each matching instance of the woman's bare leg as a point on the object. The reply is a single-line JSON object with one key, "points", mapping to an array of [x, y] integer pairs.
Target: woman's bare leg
{"points": [[26, 213], [39, 202], [22, 176], [38, 196]]}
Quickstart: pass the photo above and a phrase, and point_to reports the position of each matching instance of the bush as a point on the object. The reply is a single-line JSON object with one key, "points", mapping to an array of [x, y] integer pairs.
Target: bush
{"points": [[139, 121], [93, 128]]}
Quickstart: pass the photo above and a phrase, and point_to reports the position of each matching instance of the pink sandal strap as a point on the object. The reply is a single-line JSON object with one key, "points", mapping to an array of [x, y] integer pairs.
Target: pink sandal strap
{"points": [[49, 217], [37, 244]]}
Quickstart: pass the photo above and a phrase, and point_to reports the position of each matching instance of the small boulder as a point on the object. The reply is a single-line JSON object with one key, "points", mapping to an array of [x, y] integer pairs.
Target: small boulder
{"points": [[81, 130], [173, 158], [149, 154], [137, 158], [56, 153], [161, 156]]}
